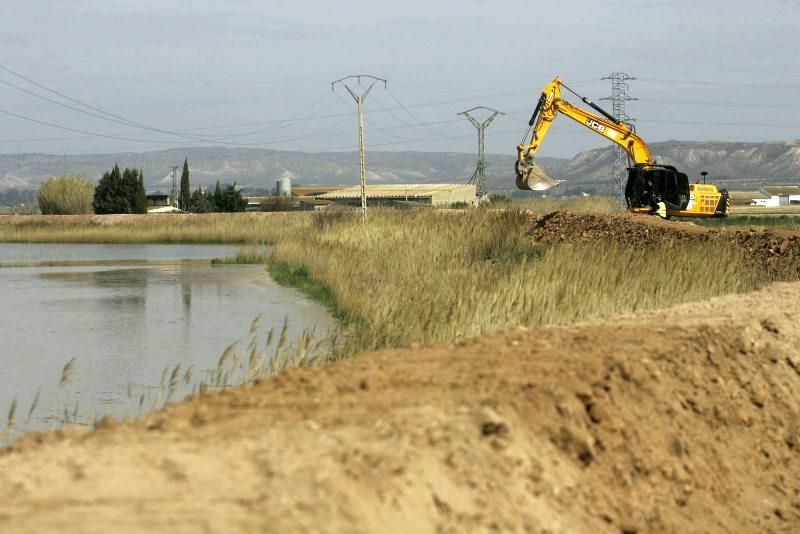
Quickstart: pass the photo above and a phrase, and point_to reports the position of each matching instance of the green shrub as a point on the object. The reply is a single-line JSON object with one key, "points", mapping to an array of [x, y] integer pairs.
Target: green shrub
{"points": [[120, 192], [66, 195]]}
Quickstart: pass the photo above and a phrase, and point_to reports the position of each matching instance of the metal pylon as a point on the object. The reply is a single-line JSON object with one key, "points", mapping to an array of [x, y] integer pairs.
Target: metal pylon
{"points": [[479, 176], [619, 95]]}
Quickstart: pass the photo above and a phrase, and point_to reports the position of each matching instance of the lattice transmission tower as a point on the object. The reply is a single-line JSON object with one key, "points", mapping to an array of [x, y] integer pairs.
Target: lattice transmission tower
{"points": [[479, 176], [619, 95]]}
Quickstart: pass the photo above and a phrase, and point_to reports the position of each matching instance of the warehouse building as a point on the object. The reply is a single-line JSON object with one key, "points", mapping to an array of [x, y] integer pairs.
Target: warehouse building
{"points": [[768, 196], [405, 195]]}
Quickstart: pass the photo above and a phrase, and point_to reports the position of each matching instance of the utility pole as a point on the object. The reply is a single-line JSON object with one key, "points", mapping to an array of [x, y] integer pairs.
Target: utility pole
{"points": [[359, 98], [619, 95], [174, 195], [479, 176]]}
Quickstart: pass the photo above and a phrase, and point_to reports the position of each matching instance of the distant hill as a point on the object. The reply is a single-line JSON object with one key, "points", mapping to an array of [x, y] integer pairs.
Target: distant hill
{"points": [[733, 165]]}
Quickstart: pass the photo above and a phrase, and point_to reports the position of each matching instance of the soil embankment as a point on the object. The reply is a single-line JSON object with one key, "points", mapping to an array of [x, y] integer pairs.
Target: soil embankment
{"points": [[683, 419], [776, 251]]}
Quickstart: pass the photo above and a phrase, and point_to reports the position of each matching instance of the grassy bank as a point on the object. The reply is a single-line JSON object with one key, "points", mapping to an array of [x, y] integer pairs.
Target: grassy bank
{"points": [[244, 228], [440, 277], [773, 222]]}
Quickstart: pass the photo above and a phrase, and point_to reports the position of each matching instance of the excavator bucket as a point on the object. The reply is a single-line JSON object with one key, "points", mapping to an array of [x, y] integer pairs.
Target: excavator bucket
{"points": [[531, 177]]}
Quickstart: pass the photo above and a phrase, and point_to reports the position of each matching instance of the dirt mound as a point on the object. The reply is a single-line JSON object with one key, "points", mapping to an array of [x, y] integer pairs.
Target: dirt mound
{"points": [[685, 419], [776, 251]]}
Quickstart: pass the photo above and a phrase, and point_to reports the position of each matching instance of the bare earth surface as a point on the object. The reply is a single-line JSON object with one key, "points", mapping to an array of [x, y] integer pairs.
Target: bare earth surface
{"points": [[684, 419]]}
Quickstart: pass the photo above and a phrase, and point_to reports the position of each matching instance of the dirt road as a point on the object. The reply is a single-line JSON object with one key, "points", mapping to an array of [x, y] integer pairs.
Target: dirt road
{"points": [[685, 419]]}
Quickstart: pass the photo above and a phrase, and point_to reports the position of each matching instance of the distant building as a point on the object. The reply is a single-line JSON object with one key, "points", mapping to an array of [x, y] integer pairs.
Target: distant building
{"points": [[160, 203], [405, 195], [158, 199], [773, 196]]}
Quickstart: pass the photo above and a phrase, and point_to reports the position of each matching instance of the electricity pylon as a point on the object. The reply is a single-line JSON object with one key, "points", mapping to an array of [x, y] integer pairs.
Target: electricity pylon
{"points": [[360, 105], [479, 176], [619, 95]]}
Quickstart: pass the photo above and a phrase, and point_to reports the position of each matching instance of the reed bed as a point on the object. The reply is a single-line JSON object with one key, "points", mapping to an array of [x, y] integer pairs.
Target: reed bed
{"points": [[232, 228], [434, 277], [258, 355]]}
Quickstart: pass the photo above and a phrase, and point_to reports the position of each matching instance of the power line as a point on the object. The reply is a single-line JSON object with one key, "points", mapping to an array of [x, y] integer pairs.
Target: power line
{"points": [[724, 84], [120, 138], [721, 104], [414, 117]]}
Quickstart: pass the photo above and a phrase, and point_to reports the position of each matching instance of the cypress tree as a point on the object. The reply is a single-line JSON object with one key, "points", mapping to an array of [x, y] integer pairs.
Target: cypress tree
{"points": [[141, 196], [110, 195], [185, 193], [216, 198]]}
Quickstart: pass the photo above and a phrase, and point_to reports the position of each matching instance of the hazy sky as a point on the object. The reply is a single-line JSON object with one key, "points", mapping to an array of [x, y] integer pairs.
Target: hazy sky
{"points": [[224, 70]]}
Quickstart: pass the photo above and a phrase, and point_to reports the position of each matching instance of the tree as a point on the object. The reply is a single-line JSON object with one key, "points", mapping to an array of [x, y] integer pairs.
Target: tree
{"points": [[110, 195], [141, 195], [120, 192], [66, 195], [216, 198], [231, 199], [199, 202], [185, 193]]}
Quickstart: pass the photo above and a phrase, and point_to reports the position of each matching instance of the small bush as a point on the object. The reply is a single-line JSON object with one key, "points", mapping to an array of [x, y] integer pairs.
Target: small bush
{"points": [[499, 199], [66, 195]]}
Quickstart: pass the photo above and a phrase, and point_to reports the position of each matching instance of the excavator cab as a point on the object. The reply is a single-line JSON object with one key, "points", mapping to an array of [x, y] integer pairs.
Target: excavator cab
{"points": [[649, 184]]}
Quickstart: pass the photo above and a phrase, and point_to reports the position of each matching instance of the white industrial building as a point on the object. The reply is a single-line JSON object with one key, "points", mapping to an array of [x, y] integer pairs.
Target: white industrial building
{"points": [[408, 194], [773, 196]]}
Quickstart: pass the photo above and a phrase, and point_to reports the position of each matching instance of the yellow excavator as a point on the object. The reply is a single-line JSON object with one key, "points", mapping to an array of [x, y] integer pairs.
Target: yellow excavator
{"points": [[651, 188]]}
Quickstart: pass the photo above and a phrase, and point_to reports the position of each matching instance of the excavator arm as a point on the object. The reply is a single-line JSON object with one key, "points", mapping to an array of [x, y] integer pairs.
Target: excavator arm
{"points": [[550, 104]]}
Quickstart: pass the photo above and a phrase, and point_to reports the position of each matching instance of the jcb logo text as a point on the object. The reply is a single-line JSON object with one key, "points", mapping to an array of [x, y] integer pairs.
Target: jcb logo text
{"points": [[595, 125]]}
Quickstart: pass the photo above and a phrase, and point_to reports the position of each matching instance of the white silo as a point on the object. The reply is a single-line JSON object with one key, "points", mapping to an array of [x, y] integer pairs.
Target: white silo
{"points": [[284, 187]]}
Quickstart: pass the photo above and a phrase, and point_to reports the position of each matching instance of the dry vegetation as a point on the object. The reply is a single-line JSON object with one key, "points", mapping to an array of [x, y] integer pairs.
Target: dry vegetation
{"points": [[66, 195], [244, 228], [588, 204], [437, 276]]}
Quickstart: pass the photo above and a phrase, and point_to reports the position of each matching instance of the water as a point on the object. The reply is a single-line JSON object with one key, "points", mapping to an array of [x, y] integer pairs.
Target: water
{"points": [[144, 308]]}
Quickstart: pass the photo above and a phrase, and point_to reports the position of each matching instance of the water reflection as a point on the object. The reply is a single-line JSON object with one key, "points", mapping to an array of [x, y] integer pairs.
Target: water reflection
{"points": [[125, 325]]}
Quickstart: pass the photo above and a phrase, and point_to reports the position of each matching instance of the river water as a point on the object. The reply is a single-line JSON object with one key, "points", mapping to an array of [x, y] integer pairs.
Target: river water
{"points": [[123, 314]]}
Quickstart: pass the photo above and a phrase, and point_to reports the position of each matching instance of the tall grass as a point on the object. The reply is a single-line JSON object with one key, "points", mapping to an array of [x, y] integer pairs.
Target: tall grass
{"points": [[434, 277], [590, 204], [244, 228]]}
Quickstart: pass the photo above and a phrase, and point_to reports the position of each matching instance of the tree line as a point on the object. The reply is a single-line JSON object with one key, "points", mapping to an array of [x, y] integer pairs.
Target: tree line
{"points": [[122, 191]]}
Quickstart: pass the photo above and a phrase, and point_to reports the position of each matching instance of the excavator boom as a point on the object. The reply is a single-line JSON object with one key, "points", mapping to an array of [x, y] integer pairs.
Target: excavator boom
{"points": [[549, 106]]}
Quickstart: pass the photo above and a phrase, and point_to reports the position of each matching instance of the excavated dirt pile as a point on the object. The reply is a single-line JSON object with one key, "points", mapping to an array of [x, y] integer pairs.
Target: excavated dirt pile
{"points": [[680, 420], [777, 251]]}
